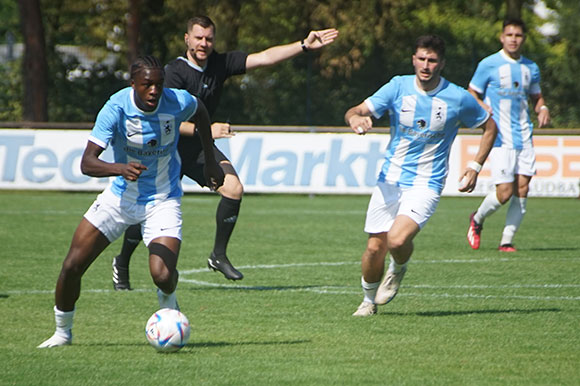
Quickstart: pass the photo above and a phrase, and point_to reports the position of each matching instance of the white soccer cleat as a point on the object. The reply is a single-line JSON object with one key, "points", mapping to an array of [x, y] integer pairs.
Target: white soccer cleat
{"points": [[389, 287], [56, 340], [366, 309]]}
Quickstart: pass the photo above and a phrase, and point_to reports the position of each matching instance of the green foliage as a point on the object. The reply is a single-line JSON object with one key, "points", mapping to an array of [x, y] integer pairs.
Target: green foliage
{"points": [[375, 43], [462, 317], [563, 66]]}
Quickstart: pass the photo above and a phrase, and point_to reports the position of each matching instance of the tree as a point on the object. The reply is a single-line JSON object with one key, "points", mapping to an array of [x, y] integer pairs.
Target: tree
{"points": [[34, 66]]}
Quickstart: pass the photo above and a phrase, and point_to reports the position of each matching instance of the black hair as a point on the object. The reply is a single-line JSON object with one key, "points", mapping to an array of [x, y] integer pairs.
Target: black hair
{"points": [[201, 20], [431, 42], [144, 62], [515, 21]]}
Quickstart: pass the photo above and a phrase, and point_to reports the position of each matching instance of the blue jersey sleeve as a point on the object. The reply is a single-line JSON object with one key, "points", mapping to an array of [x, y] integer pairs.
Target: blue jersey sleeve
{"points": [[472, 115], [105, 125], [188, 104], [480, 78], [536, 78], [382, 100]]}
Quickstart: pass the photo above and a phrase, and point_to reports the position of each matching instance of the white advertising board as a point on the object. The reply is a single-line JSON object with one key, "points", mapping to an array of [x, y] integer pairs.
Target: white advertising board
{"points": [[279, 162]]}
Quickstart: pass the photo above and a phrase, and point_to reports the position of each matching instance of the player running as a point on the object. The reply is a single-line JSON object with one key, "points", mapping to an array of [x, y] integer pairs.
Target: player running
{"points": [[141, 124], [425, 113], [502, 83]]}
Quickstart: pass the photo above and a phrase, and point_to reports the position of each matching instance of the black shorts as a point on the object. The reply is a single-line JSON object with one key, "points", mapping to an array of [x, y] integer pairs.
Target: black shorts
{"points": [[192, 158]]}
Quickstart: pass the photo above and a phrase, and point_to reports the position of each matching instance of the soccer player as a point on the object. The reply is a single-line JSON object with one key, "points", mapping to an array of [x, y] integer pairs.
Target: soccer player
{"points": [[141, 124], [502, 83], [202, 71], [425, 112]]}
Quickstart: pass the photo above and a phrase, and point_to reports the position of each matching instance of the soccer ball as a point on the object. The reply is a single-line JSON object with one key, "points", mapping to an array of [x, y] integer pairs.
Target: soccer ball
{"points": [[167, 330]]}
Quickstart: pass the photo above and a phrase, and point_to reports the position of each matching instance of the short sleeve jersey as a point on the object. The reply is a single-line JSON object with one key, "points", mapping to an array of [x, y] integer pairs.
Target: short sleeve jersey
{"points": [[506, 84], [423, 128], [205, 83], [149, 138]]}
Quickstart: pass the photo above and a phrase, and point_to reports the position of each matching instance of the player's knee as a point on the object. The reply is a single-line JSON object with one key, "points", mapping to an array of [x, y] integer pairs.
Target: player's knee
{"points": [[70, 270], [165, 279], [376, 249], [397, 241], [232, 189]]}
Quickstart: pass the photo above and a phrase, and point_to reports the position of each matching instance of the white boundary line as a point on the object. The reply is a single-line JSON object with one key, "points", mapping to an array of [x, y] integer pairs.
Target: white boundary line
{"points": [[351, 290]]}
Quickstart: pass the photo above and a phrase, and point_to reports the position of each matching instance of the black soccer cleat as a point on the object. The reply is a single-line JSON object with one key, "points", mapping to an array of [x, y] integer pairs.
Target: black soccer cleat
{"points": [[223, 265], [120, 277]]}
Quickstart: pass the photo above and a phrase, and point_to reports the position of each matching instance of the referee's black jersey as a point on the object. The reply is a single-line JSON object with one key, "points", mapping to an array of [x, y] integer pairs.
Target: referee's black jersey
{"points": [[207, 85]]}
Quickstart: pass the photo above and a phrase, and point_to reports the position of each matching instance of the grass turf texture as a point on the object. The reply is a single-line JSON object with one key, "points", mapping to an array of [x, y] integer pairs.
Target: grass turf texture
{"points": [[461, 316]]}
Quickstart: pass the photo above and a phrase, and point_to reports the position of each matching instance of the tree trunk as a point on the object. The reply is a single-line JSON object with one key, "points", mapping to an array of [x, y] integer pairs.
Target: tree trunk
{"points": [[133, 27], [34, 65], [514, 9]]}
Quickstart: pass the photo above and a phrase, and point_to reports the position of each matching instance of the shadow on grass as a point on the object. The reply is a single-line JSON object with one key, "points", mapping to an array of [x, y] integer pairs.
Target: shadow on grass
{"points": [[555, 249], [4, 296], [266, 343], [473, 312], [199, 344]]}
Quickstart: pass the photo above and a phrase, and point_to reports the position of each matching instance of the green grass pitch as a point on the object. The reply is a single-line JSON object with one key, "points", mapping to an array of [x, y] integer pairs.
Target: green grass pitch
{"points": [[462, 317]]}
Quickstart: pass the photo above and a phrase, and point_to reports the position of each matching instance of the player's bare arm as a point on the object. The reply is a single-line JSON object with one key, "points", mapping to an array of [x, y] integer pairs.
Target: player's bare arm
{"points": [[92, 165], [212, 171], [469, 176], [218, 130], [314, 41], [479, 99], [359, 118], [541, 109]]}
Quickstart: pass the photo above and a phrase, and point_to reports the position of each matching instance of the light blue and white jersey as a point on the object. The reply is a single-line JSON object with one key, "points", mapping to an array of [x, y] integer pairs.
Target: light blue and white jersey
{"points": [[149, 138], [506, 84], [423, 127]]}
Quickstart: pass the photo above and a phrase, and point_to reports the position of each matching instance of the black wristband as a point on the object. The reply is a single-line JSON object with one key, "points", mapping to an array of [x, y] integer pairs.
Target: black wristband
{"points": [[304, 48]]}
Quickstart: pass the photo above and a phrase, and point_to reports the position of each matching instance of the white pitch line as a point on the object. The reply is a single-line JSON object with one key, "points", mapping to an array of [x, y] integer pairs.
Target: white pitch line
{"points": [[342, 290], [273, 266], [292, 265]]}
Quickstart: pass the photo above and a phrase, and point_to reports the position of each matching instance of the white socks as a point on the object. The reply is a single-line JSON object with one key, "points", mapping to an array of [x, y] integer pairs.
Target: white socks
{"points": [[64, 322], [515, 214], [396, 268], [167, 300], [514, 217], [369, 290], [489, 206], [63, 334]]}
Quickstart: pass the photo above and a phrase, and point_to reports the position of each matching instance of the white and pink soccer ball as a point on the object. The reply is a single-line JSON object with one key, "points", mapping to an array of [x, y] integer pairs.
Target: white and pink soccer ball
{"points": [[167, 330]]}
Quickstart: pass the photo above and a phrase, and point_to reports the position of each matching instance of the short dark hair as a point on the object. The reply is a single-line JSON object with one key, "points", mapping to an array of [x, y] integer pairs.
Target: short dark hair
{"points": [[515, 21], [431, 42], [143, 62], [201, 20]]}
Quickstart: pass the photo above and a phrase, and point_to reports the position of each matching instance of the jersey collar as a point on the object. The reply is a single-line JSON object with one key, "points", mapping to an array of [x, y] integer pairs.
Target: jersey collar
{"points": [[192, 65], [509, 58], [430, 92]]}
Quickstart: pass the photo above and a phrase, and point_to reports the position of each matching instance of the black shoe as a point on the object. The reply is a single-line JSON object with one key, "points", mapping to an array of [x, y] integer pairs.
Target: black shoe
{"points": [[120, 277], [223, 265]]}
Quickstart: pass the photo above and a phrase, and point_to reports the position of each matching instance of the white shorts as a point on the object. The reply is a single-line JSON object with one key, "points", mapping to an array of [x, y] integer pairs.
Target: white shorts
{"points": [[389, 201], [112, 216], [506, 163]]}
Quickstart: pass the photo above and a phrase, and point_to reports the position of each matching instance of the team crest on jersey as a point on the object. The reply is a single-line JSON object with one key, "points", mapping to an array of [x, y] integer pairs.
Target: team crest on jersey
{"points": [[167, 126]]}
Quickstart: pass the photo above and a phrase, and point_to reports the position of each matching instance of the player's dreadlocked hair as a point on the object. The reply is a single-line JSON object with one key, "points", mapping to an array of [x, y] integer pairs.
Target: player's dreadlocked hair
{"points": [[143, 62]]}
